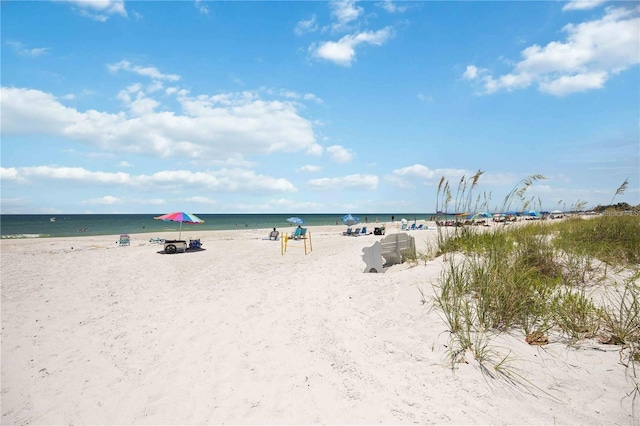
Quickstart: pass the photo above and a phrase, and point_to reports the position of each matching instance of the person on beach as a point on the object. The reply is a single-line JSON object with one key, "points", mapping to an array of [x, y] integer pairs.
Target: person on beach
{"points": [[273, 235]]}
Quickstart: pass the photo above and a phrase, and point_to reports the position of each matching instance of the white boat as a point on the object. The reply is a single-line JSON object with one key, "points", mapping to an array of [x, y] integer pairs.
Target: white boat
{"points": [[52, 219]]}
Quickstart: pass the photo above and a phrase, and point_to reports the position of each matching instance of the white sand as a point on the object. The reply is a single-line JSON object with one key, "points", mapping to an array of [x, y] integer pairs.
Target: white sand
{"points": [[238, 333]]}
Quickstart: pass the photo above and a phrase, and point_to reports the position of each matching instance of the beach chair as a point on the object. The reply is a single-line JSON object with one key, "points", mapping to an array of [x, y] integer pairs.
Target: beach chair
{"points": [[356, 233], [125, 240], [421, 226], [274, 235], [195, 244], [364, 231], [296, 234], [302, 236], [348, 232], [156, 240]]}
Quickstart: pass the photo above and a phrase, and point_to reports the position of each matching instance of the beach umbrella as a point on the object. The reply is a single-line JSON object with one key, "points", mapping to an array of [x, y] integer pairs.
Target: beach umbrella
{"points": [[350, 219], [180, 217], [481, 215], [296, 221]]}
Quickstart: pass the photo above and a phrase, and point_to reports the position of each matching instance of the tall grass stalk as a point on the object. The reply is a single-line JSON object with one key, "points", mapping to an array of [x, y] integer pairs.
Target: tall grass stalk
{"points": [[536, 278]]}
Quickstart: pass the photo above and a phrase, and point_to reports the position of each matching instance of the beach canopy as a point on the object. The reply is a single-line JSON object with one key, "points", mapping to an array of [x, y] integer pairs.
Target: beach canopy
{"points": [[180, 217], [296, 220], [350, 219]]}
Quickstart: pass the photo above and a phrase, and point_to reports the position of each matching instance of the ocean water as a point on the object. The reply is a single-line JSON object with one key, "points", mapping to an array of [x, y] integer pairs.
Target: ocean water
{"points": [[72, 225]]}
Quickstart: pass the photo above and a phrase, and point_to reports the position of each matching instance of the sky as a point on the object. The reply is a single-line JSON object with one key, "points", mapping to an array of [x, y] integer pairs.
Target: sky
{"points": [[112, 106]]}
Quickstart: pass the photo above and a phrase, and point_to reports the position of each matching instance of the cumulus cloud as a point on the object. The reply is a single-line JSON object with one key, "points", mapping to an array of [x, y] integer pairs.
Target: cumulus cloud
{"points": [[470, 73], [343, 51], [223, 180], [340, 154], [8, 173], [355, 181], [98, 10], [592, 53], [213, 129]]}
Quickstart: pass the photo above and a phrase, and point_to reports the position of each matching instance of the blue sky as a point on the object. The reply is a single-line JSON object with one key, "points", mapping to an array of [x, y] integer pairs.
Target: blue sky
{"points": [[113, 106]]}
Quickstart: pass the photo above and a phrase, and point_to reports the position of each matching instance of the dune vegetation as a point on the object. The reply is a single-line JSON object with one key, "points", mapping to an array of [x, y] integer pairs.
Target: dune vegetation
{"points": [[550, 280]]}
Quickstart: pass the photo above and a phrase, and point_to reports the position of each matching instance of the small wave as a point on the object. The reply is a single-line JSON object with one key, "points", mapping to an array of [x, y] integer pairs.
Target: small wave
{"points": [[20, 236]]}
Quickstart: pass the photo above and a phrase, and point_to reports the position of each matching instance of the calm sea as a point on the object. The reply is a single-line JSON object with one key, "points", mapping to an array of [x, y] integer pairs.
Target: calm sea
{"points": [[43, 226]]}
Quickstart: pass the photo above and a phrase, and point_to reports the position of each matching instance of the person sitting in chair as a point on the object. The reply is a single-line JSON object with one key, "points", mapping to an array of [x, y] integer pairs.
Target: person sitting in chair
{"points": [[273, 235]]}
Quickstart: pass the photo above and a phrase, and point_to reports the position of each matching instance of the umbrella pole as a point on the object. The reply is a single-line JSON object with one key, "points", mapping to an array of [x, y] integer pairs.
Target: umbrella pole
{"points": [[180, 232]]}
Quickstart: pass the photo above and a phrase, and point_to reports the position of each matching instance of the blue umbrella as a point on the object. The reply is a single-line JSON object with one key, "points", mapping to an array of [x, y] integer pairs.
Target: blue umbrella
{"points": [[296, 221], [350, 219], [481, 215]]}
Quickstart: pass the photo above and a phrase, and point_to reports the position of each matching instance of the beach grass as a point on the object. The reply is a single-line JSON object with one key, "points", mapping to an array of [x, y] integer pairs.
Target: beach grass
{"points": [[566, 281]]}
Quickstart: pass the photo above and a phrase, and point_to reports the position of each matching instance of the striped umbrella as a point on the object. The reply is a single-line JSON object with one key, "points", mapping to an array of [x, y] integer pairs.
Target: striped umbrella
{"points": [[180, 217]]}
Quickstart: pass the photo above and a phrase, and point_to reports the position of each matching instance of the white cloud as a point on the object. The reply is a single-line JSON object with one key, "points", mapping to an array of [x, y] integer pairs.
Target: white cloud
{"points": [[107, 200], [98, 10], [309, 168], [344, 12], [471, 72], [574, 83], [212, 129], [583, 4], [424, 173], [308, 26], [342, 52], [150, 72], [424, 98], [202, 7], [355, 181], [340, 154], [392, 6], [223, 180], [315, 149], [201, 200], [592, 52], [20, 49], [10, 173]]}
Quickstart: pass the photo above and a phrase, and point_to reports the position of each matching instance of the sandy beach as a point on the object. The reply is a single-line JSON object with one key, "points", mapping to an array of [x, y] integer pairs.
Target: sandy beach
{"points": [[238, 333]]}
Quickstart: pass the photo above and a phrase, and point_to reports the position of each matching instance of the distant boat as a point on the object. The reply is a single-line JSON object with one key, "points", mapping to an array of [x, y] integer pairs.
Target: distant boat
{"points": [[52, 219]]}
